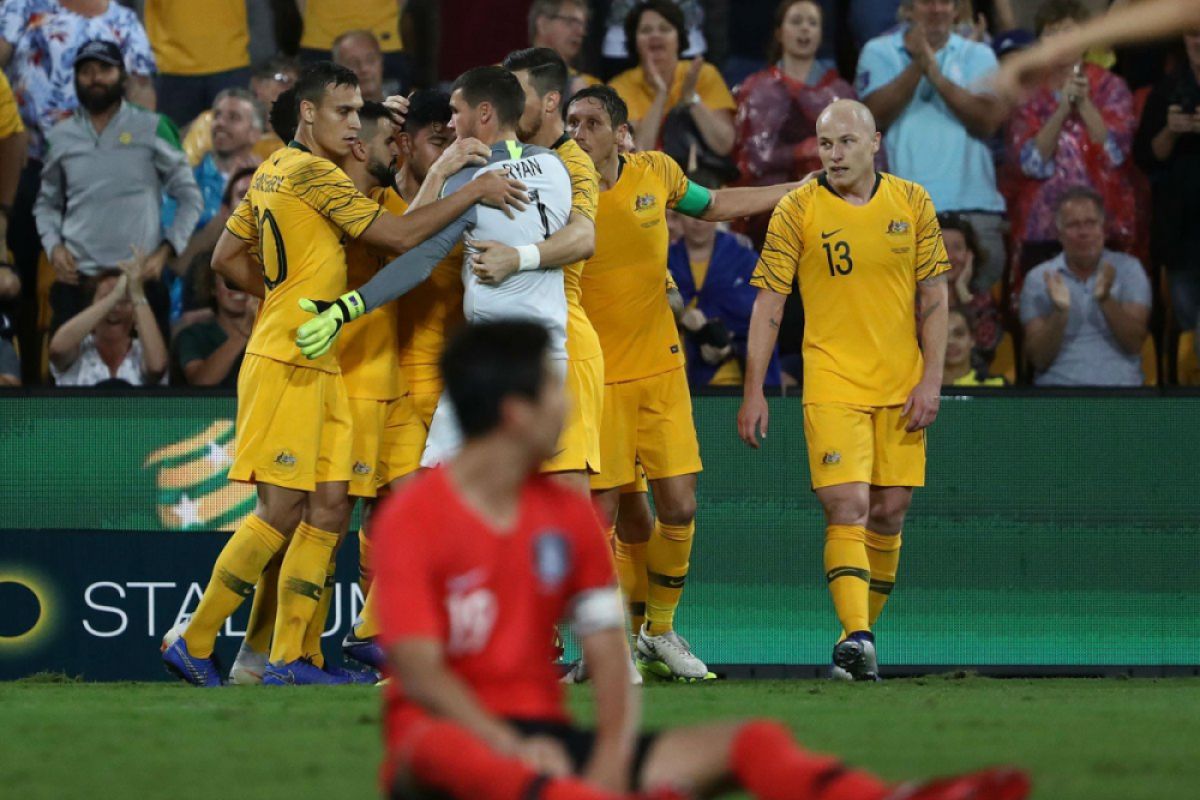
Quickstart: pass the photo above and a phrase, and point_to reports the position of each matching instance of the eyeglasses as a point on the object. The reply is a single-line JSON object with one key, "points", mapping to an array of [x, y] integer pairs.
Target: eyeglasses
{"points": [[571, 22], [280, 77]]}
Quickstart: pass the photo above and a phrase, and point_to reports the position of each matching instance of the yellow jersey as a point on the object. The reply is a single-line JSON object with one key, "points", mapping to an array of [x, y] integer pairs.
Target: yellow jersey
{"points": [[325, 20], [638, 94], [624, 281], [186, 40], [297, 215], [858, 268], [368, 348], [10, 115], [426, 316], [582, 342]]}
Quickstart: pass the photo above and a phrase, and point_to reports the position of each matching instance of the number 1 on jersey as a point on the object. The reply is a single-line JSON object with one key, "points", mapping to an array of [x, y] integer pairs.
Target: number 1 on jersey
{"points": [[844, 262]]}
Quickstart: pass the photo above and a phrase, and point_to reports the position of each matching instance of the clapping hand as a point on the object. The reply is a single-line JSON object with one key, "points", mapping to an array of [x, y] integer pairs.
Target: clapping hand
{"points": [[1056, 287], [1102, 289], [690, 80]]}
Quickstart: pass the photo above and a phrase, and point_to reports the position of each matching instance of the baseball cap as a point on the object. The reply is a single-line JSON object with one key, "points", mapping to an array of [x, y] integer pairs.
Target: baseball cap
{"points": [[102, 51], [1012, 41]]}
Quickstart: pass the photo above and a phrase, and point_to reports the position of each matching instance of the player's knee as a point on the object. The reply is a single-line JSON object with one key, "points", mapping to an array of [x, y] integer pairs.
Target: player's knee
{"points": [[635, 528], [886, 517], [281, 512], [847, 511], [678, 512]]}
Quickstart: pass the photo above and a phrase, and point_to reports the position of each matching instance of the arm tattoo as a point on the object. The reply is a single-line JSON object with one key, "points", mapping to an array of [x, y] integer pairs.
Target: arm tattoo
{"points": [[925, 312], [774, 322], [941, 277]]}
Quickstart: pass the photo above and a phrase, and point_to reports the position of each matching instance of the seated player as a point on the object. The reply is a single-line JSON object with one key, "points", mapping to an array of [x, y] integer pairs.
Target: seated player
{"points": [[475, 711]]}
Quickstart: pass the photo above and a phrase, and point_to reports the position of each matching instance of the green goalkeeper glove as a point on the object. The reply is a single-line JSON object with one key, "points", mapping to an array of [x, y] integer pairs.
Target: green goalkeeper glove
{"points": [[315, 337]]}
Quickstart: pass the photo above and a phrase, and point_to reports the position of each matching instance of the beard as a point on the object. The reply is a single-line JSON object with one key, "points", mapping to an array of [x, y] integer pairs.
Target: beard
{"points": [[526, 135], [384, 173], [99, 97]]}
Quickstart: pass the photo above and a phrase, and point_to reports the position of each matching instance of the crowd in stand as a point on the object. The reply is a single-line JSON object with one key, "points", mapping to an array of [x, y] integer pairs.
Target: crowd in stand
{"points": [[129, 131]]}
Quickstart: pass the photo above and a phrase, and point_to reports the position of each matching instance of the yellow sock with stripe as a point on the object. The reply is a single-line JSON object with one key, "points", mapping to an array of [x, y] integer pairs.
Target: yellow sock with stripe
{"points": [[367, 625], [237, 569], [316, 625], [667, 555], [261, 624], [365, 573], [849, 575], [883, 553], [631, 574], [301, 581]]}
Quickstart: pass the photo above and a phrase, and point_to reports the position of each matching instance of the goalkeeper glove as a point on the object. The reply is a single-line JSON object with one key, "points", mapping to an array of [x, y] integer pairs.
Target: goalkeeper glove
{"points": [[315, 337]]}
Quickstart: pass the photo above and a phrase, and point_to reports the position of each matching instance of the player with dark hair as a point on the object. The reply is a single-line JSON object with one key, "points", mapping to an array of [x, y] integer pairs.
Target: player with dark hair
{"points": [[476, 711], [293, 423], [647, 414]]}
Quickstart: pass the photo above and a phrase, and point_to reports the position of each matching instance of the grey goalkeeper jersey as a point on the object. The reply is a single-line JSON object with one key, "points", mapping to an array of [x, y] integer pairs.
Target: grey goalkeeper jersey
{"points": [[536, 294]]}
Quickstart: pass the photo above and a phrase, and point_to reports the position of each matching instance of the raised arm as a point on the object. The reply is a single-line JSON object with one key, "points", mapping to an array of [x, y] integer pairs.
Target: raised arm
{"points": [[64, 345], [745, 201]]}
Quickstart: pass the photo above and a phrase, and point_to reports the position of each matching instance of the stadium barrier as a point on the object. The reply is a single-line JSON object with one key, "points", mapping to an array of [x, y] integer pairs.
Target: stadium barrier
{"points": [[1059, 533]]}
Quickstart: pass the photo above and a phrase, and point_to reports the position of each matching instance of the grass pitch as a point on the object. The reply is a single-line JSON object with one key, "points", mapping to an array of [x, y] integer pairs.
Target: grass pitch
{"points": [[1081, 739]]}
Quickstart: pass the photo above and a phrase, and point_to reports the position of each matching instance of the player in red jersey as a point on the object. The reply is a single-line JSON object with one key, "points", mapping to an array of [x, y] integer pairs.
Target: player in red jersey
{"points": [[474, 562]]}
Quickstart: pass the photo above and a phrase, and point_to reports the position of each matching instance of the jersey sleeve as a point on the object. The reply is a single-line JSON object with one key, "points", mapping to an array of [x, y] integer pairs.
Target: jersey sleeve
{"points": [[931, 257], [585, 185], [241, 222], [783, 246], [670, 173], [330, 192], [404, 576]]}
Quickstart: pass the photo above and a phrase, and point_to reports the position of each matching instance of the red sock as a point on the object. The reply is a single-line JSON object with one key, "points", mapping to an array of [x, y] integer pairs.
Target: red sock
{"points": [[771, 766], [445, 757]]}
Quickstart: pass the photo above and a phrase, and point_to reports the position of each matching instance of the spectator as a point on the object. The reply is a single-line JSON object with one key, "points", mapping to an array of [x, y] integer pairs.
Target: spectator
{"points": [[961, 368], [916, 81], [266, 83], [663, 91], [358, 51], [1085, 311], [778, 107], [210, 352], [38, 42], [1078, 132], [615, 48], [712, 270], [197, 59], [561, 26], [13, 143], [326, 20], [1168, 148], [238, 124], [108, 166], [97, 345], [964, 252], [10, 362]]}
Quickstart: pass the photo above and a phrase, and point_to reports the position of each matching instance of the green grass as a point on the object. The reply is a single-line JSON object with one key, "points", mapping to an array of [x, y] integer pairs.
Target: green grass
{"points": [[1081, 739]]}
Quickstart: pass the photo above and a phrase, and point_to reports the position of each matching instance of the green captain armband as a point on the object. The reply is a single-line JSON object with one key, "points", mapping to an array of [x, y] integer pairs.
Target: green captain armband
{"points": [[695, 200]]}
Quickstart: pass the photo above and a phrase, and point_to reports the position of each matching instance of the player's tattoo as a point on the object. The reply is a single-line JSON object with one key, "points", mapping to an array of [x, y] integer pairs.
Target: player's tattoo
{"points": [[941, 277], [775, 321], [926, 311]]}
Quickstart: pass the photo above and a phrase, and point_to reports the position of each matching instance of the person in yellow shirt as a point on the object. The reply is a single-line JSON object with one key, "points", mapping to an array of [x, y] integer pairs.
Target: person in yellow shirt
{"points": [[13, 143], [326, 20], [960, 344], [662, 82], [561, 26], [197, 58], [647, 415], [867, 251], [294, 429]]}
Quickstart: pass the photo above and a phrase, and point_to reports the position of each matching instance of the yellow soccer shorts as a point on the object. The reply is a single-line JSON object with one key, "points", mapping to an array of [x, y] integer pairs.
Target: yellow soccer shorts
{"points": [[369, 418], [579, 443], [407, 429], [648, 420], [867, 444], [294, 426]]}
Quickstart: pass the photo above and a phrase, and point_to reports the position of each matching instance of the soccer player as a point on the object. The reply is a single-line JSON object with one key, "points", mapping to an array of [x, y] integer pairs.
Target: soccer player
{"points": [[1134, 22], [867, 251], [294, 433], [476, 712], [486, 104], [647, 413]]}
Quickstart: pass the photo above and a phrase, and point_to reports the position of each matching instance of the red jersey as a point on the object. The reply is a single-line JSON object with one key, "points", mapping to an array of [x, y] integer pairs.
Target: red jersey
{"points": [[489, 596]]}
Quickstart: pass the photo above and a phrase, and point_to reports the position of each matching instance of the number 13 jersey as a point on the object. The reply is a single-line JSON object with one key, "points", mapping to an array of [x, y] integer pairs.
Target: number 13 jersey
{"points": [[857, 268], [298, 215]]}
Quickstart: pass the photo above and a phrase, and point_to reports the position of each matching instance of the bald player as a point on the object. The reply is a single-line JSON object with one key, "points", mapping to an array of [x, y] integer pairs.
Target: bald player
{"points": [[867, 251], [1134, 22]]}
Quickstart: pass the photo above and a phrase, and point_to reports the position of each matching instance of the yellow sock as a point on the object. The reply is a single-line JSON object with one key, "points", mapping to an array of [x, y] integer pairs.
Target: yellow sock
{"points": [[365, 572], [316, 625], [631, 574], [667, 555], [883, 553], [367, 625], [234, 574], [301, 580], [849, 574], [261, 624]]}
